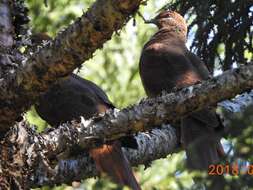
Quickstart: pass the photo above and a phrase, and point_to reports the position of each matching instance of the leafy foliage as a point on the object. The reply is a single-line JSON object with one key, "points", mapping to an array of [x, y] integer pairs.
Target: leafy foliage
{"points": [[222, 30]]}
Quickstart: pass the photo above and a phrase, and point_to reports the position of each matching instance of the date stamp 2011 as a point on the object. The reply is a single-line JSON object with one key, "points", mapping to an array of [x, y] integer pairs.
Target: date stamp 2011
{"points": [[232, 169]]}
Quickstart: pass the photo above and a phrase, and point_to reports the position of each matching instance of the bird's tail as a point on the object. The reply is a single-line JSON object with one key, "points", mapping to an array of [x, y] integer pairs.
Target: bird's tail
{"points": [[202, 144], [201, 155], [110, 159]]}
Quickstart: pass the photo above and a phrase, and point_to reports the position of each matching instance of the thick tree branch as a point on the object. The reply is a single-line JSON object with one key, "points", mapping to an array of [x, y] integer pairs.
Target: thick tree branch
{"points": [[152, 112], [82, 166], [60, 57], [152, 146], [32, 157]]}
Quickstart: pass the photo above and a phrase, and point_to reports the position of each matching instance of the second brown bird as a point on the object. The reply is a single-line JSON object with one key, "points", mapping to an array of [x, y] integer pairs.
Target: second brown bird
{"points": [[73, 97], [166, 64]]}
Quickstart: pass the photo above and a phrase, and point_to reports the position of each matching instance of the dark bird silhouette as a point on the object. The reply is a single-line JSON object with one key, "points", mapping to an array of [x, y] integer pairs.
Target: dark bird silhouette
{"points": [[166, 64], [73, 97]]}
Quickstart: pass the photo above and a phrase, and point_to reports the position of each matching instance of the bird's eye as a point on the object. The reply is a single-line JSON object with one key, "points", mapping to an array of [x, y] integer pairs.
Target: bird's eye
{"points": [[178, 30]]}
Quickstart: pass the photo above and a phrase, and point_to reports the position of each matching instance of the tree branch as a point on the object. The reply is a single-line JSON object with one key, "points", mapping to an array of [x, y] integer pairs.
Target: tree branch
{"points": [[60, 57], [152, 112], [82, 166], [32, 157], [151, 146], [10, 58]]}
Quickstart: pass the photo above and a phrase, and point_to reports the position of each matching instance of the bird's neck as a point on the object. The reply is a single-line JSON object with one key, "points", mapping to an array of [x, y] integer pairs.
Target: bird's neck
{"points": [[168, 36]]}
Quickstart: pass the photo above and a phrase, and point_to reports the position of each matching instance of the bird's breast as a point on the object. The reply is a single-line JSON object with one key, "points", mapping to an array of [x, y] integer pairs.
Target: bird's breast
{"points": [[156, 47], [166, 69]]}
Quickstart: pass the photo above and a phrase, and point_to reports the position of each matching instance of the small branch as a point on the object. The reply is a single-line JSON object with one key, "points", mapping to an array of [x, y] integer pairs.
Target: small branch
{"points": [[29, 165], [238, 104]]}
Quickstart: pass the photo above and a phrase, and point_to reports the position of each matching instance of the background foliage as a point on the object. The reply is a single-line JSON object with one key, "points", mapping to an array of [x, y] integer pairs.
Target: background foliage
{"points": [[221, 30], [218, 33]]}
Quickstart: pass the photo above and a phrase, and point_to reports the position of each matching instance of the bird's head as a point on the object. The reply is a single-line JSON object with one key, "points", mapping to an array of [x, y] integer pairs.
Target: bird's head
{"points": [[171, 20]]}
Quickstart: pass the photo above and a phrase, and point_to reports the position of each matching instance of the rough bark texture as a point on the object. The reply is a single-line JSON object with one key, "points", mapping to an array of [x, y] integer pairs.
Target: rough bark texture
{"points": [[22, 80], [150, 112], [166, 108], [6, 42], [61, 56], [31, 159], [33, 164], [37, 168], [151, 146], [7, 30]]}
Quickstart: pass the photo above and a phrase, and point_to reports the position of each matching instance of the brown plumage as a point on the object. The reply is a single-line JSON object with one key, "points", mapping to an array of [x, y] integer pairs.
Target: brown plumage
{"points": [[166, 64], [73, 97]]}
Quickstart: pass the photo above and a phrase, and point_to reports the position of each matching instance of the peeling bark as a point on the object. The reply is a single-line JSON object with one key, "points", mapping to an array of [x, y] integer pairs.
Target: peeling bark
{"points": [[150, 112], [152, 148], [166, 108], [60, 57], [29, 162], [147, 151]]}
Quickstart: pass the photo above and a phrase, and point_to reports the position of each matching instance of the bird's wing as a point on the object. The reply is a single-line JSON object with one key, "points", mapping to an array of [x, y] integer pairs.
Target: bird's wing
{"points": [[67, 100], [198, 64], [166, 70], [206, 116], [97, 91]]}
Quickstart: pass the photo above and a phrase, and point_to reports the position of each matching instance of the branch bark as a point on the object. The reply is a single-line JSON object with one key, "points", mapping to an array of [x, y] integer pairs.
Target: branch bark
{"points": [[10, 58], [28, 159], [7, 30], [33, 156], [60, 57], [151, 146], [36, 168], [153, 112]]}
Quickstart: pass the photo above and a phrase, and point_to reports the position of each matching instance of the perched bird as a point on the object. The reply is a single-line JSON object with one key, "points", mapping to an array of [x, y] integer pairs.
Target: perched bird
{"points": [[74, 96], [166, 64]]}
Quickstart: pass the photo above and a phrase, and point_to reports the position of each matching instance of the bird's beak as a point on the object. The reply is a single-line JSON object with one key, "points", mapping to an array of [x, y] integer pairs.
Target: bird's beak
{"points": [[151, 21]]}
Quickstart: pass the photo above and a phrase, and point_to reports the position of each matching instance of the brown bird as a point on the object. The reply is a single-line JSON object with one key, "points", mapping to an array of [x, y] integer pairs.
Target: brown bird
{"points": [[73, 97], [166, 64]]}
